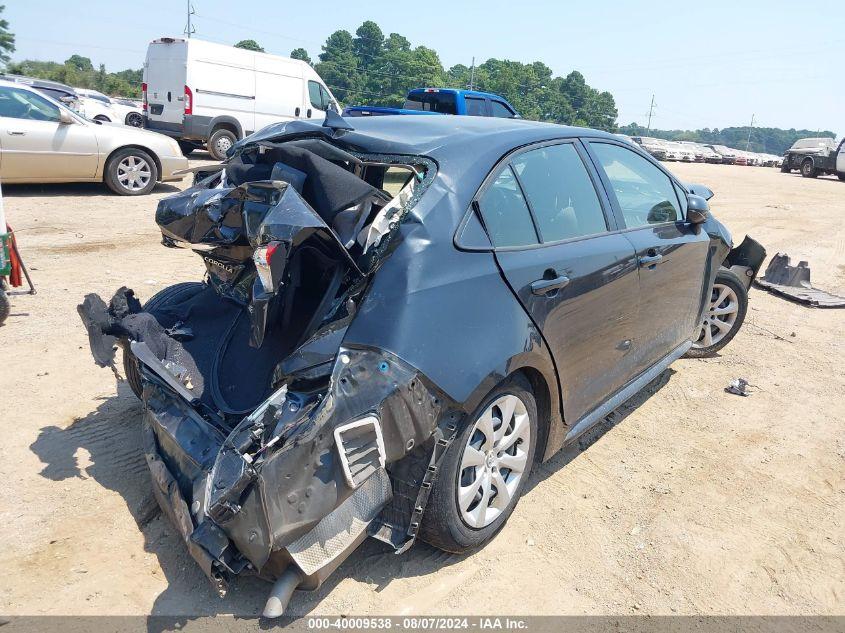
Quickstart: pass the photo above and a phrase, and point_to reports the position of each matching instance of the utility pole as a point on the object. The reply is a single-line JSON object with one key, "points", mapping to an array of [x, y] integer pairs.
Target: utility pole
{"points": [[748, 142], [472, 74], [650, 112], [189, 28]]}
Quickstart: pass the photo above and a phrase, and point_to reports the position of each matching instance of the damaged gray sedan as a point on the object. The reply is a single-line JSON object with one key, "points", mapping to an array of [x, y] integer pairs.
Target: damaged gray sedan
{"points": [[397, 321]]}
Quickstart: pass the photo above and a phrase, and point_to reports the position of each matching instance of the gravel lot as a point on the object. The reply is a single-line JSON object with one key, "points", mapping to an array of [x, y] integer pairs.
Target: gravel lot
{"points": [[689, 500]]}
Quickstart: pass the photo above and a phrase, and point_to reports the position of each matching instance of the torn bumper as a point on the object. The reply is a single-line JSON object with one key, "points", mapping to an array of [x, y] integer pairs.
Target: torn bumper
{"points": [[172, 503], [301, 481], [746, 259]]}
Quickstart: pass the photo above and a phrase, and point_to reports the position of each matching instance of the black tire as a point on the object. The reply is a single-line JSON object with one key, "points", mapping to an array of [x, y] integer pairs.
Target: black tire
{"points": [[840, 176], [159, 299], [5, 306], [725, 278], [187, 147], [217, 144], [808, 170], [111, 175], [784, 168], [133, 119], [442, 525]]}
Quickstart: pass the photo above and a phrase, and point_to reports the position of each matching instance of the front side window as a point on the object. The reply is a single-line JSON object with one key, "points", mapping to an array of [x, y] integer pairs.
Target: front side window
{"points": [[505, 213], [475, 106], [499, 109], [318, 96], [22, 104], [560, 192], [645, 194]]}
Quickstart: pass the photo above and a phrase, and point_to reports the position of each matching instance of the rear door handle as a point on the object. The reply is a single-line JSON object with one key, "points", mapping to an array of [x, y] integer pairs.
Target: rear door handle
{"points": [[16, 133], [543, 287], [649, 261]]}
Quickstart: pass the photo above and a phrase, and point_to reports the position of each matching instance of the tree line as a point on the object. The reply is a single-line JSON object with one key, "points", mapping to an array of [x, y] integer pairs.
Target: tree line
{"points": [[371, 67], [768, 140]]}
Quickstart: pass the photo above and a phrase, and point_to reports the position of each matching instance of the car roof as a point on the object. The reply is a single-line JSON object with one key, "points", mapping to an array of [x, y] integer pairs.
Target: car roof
{"points": [[457, 91], [33, 82], [443, 137]]}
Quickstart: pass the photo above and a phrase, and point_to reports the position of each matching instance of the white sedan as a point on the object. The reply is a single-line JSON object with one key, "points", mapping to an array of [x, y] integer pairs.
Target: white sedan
{"points": [[43, 141], [95, 105]]}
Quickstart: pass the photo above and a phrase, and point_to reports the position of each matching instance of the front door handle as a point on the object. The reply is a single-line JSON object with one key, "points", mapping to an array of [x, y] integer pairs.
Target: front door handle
{"points": [[308, 113], [544, 286], [16, 133], [650, 261]]}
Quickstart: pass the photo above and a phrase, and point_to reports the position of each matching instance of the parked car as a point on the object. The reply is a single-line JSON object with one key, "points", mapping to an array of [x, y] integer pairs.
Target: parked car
{"points": [[654, 146], [42, 140], [702, 152], [398, 321], [727, 154], [53, 89], [200, 92], [443, 101], [683, 152], [101, 107], [826, 160], [814, 156]]}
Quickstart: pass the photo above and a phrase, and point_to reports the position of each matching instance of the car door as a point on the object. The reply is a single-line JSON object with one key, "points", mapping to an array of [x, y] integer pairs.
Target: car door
{"points": [[672, 254], [551, 230], [840, 159], [37, 145]]}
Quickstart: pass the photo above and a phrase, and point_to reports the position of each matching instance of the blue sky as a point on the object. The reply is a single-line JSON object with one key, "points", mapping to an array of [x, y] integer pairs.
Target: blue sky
{"points": [[709, 64]]}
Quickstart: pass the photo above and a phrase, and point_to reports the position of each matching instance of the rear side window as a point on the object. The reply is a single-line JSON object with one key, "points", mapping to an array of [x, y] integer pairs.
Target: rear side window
{"points": [[475, 106], [499, 109], [560, 192], [645, 194], [506, 215], [431, 102]]}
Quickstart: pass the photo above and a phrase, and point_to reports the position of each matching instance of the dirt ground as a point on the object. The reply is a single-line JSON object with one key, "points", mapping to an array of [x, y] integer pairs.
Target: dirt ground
{"points": [[689, 500]]}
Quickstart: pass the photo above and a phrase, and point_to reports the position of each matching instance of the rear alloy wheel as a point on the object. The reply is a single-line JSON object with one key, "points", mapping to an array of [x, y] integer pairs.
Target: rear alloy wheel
{"points": [[485, 470], [723, 316], [131, 172], [808, 170], [133, 119], [220, 142], [493, 461]]}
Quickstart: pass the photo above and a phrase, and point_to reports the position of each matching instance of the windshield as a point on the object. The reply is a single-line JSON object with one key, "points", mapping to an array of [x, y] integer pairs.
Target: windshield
{"points": [[442, 102]]}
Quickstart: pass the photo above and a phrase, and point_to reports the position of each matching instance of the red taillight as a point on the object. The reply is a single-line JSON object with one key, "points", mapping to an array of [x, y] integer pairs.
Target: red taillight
{"points": [[189, 101], [144, 96], [265, 264]]}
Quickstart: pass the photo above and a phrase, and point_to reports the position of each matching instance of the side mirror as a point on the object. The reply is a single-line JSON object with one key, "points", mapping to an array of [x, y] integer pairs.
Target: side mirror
{"points": [[65, 117], [700, 190], [697, 209]]}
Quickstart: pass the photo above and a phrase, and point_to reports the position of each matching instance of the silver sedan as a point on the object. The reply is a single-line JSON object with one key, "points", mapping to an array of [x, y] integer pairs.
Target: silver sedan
{"points": [[42, 141]]}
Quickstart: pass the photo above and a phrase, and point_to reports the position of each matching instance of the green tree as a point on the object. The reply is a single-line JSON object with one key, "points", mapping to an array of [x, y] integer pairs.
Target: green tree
{"points": [[338, 66], [250, 45], [301, 54], [7, 39], [80, 63]]}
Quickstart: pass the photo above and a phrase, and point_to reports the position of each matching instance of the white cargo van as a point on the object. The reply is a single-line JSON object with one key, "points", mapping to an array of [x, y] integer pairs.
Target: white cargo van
{"points": [[201, 92]]}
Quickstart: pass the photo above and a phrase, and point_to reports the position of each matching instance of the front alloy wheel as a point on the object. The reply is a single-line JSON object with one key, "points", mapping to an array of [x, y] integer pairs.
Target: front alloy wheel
{"points": [[494, 459], [724, 315]]}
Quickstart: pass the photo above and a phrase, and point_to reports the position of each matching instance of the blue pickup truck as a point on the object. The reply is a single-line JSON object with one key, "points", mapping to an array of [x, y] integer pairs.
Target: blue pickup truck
{"points": [[443, 101]]}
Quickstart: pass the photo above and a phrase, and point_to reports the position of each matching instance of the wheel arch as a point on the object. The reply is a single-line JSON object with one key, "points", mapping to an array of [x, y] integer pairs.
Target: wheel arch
{"points": [[226, 122], [146, 150]]}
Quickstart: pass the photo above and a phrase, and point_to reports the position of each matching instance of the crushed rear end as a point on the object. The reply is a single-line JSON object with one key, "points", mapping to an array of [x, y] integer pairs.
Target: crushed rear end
{"points": [[274, 448]]}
